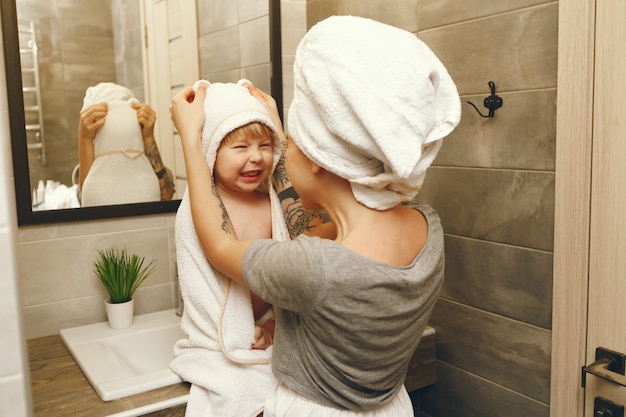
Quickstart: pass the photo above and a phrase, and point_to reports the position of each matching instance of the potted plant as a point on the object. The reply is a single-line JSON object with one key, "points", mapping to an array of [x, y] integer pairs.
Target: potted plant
{"points": [[121, 274]]}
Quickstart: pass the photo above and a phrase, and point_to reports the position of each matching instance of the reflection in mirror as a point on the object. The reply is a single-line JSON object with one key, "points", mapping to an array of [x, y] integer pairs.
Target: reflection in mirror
{"points": [[66, 47], [59, 61], [119, 160]]}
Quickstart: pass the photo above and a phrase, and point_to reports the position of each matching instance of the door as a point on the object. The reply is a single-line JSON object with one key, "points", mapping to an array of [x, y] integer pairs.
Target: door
{"points": [[607, 255], [171, 51], [589, 266]]}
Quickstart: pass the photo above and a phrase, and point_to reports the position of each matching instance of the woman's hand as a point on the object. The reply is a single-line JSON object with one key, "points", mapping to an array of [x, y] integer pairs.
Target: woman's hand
{"points": [[91, 119], [146, 117], [270, 106], [187, 112]]}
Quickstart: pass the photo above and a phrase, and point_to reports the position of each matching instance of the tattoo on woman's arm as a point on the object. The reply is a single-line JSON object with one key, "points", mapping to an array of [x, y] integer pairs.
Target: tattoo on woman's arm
{"points": [[281, 180], [298, 218]]}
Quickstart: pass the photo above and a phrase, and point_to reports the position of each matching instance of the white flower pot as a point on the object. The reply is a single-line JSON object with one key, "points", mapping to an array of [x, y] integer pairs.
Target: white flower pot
{"points": [[120, 315]]}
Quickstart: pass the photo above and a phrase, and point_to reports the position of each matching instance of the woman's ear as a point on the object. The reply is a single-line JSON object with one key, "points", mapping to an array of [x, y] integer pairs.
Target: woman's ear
{"points": [[315, 169]]}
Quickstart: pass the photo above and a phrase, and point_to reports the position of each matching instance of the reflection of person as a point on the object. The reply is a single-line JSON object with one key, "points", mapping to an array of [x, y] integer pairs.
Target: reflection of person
{"points": [[219, 315], [371, 105], [119, 159]]}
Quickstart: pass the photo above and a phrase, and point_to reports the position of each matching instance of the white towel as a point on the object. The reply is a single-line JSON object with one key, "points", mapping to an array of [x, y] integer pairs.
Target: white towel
{"points": [[228, 377], [371, 104], [107, 92], [121, 172]]}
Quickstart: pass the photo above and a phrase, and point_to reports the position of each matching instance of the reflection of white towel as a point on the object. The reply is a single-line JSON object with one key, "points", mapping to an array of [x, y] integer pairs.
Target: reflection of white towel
{"points": [[121, 172], [228, 377], [371, 103], [106, 93]]}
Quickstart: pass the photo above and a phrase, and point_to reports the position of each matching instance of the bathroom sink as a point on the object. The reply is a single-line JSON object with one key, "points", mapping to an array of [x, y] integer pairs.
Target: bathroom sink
{"points": [[119, 363]]}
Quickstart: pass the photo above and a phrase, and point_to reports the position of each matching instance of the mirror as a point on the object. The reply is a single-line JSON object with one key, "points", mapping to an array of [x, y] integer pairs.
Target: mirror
{"points": [[56, 156]]}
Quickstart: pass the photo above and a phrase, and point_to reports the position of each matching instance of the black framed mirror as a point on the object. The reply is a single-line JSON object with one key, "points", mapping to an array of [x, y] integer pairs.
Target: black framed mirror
{"points": [[26, 215]]}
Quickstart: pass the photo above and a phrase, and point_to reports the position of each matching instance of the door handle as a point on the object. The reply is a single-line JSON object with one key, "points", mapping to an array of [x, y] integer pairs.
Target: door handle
{"points": [[609, 365]]}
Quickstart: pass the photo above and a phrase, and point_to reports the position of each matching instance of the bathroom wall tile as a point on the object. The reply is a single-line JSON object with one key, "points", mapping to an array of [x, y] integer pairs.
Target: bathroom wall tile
{"points": [[252, 9], [522, 135], [47, 319], [14, 396], [9, 321], [154, 298], [216, 15], [228, 76], [260, 75], [506, 352], [517, 52], [513, 207], [52, 231], [254, 42], [219, 51], [62, 269], [403, 13], [434, 13], [293, 25], [90, 18], [171, 243], [288, 61], [318, 10], [82, 76], [510, 281], [460, 393]]}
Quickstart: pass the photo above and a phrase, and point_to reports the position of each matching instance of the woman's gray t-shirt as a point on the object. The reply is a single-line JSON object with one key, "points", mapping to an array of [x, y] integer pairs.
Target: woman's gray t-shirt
{"points": [[347, 326]]}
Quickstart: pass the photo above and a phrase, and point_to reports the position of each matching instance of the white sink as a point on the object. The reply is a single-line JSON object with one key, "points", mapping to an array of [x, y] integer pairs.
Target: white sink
{"points": [[119, 363]]}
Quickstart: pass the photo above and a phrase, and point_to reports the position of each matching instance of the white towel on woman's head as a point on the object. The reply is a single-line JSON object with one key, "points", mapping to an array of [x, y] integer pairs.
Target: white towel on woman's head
{"points": [[107, 92], [228, 377], [371, 105]]}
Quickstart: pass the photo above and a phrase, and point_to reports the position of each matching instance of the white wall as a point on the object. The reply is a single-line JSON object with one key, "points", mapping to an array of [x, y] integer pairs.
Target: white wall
{"points": [[14, 391]]}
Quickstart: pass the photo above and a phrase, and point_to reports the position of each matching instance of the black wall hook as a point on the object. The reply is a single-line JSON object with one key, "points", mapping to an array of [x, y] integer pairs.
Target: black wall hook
{"points": [[493, 102]]}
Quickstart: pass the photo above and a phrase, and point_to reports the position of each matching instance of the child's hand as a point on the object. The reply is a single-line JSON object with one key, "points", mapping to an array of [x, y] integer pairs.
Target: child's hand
{"points": [[187, 112], [264, 335]]}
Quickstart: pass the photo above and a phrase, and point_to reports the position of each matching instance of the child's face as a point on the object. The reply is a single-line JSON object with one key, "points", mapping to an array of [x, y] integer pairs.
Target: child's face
{"points": [[243, 162]]}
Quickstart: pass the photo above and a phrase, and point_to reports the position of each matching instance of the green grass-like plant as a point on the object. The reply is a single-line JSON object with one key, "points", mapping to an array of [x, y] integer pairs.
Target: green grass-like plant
{"points": [[121, 274]]}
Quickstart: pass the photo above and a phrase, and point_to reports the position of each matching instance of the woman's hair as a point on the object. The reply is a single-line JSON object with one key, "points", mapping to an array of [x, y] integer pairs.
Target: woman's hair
{"points": [[250, 129]]}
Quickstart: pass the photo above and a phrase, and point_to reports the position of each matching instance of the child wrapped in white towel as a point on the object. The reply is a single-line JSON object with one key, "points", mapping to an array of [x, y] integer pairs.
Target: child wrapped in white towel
{"points": [[226, 356]]}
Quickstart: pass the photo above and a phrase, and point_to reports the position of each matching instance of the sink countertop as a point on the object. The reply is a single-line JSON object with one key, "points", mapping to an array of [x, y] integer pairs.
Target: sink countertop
{"points": [[59, 387]]}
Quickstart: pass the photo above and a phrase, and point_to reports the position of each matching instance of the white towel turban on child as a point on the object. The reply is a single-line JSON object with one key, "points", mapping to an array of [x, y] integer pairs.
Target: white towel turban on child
{"points": [[371, 105], [229, 106]]}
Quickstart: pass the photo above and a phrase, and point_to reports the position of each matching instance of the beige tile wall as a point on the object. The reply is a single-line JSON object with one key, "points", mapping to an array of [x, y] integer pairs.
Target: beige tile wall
{"points": [[234, 41], [58, 286]]}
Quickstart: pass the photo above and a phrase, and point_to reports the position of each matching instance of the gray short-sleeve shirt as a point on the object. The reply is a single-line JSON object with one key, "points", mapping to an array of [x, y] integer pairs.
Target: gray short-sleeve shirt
{"points": [[347, 326]]}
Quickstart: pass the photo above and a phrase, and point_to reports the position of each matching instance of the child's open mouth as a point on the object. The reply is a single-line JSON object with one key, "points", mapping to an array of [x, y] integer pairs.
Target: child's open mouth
{"points": [[251, 174]]}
